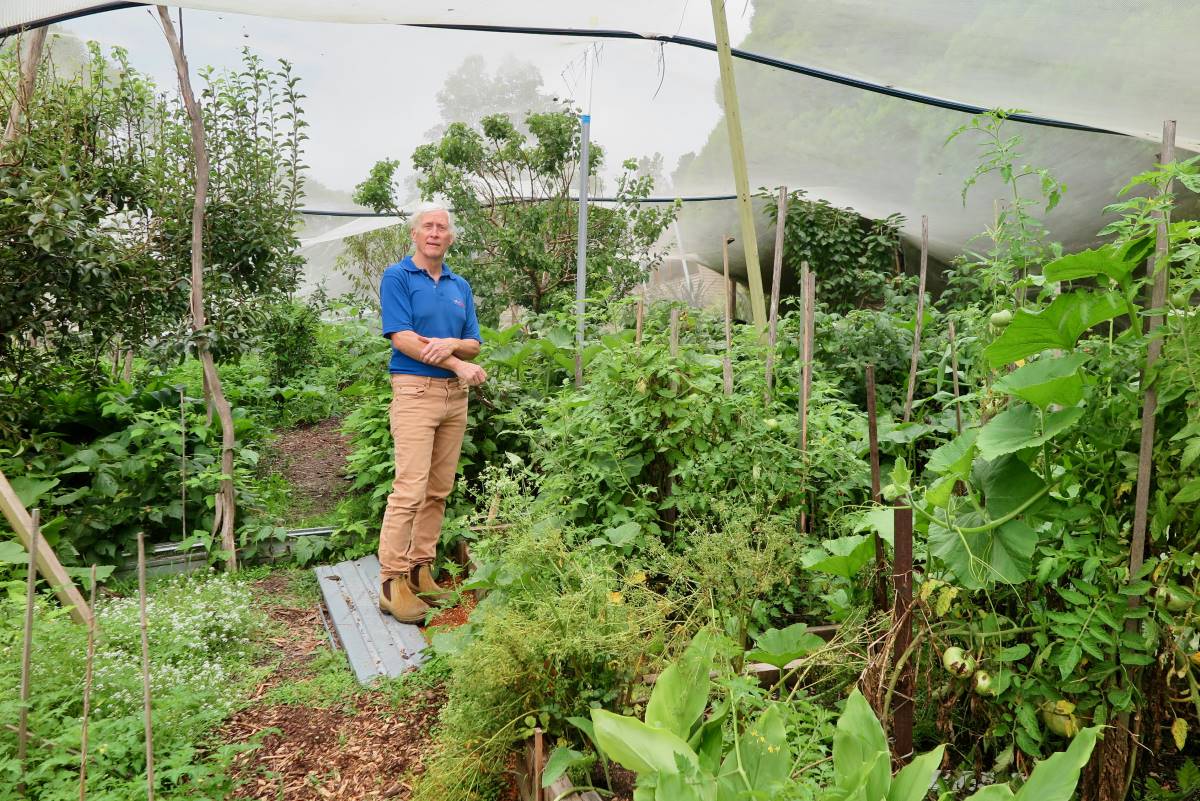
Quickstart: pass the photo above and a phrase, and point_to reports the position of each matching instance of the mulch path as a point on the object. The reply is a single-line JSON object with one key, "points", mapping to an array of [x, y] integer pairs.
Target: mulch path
{"points": [[365, 748], [313, 459]]}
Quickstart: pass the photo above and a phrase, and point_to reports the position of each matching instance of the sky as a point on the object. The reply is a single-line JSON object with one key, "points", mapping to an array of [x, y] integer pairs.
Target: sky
{"points": [[371, 88]]}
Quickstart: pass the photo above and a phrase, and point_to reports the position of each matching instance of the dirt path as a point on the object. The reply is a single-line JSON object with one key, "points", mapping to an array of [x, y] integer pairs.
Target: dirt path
{"points": [[322, 737], [313, 460]]}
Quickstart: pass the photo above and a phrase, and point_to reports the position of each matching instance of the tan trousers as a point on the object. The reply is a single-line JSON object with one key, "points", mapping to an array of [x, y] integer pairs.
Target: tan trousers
{"points": [[428, 419]]}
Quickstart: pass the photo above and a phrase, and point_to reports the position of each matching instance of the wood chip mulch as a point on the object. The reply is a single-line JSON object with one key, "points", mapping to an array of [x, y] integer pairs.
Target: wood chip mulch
{"points": [[363, 748], [313, 459]]}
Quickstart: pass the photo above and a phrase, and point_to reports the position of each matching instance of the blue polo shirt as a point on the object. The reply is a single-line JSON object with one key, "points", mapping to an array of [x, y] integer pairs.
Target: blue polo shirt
{"points": [[412, 301]]}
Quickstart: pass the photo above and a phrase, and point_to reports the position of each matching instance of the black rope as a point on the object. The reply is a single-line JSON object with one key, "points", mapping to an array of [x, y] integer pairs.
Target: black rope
{"points": [[777, 63], [687, 199]]}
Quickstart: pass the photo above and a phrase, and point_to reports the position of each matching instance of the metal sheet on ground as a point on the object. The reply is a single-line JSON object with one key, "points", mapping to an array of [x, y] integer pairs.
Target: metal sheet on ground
{"points": [[376, 644]]}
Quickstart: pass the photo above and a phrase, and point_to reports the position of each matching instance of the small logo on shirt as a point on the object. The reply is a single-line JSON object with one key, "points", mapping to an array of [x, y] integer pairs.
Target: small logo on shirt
{"points": [[458, 302]]}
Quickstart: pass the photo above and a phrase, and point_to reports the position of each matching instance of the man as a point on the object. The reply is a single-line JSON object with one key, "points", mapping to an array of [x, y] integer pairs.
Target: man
{"points": [[429, 316]]}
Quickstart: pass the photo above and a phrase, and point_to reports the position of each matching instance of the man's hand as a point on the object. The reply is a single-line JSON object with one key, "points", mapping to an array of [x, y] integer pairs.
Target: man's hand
{"points": [[436, 351], [470, 374]]}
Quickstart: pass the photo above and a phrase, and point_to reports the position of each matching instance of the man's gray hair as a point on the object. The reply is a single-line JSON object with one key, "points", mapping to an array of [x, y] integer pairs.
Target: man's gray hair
{"points": [[427, 207]]}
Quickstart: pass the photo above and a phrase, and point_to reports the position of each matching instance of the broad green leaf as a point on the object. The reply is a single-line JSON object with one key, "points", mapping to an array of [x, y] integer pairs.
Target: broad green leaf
{"points": [[879, 520], [1115, 263], [681, 787], [1019, 427], [765, 758], [623, 534], [1189, 493], [858, 744], [638, 747], [561, 760], [1054, 778], [849, 555], [1008, 484], [913, 781], [681, 692], [30, 490], [976, 560], [1047, 381], [779, 646], [955, 457], [1012, 653], [709, 738], [938, 496], [13, 553], [1058, 325], [995, 792]]}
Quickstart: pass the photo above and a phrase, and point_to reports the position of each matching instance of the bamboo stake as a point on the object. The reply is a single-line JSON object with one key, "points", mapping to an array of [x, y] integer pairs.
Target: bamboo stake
{"points": [[776, 277], [737, 152], [182, 468], [727, 362], [141, 546], [880, 594], [641, 315], [226, 501], [27, 647], [954, 378], [1158, 298], [916, 348], [31, 55], [810, 289], [538, 762], [902, 719], [87, 691]]}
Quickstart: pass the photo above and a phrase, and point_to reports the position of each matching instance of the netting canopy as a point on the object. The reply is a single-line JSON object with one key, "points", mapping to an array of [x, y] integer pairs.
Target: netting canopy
{"points": [[849, 100]]}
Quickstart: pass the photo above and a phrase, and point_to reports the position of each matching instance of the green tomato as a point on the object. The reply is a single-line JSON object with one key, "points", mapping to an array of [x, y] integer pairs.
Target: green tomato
{"points": [[958, 662], [984, 685], [771, 423], [1001, 319]]}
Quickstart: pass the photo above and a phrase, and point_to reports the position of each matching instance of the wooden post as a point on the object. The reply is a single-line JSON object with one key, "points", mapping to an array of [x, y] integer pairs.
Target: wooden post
{"points": [[149, 729], [916, 348], [226, 500], [902, 717], [776, 276], [954, 378], [87, 691], [47, 563], [641, 315], [183, 530], [539, 757], [674, 331], [727, 362], [1158, 298], [806, 348], [27, 650], [737, 151], [880, 593], [31, 56]]}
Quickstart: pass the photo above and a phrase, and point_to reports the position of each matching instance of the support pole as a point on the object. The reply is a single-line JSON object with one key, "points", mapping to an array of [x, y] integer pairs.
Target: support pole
{"points": [[47, 563], [146, 722], [32, 43], [727, 361], [641, 316], [183, 531], [737, 150], [806, 353], [1158, 298], [87, 690], [27, 652], [585, 121], [902, 716], [226, 500], [880, 590], [916, 348], [954, 378], [776, 276]]}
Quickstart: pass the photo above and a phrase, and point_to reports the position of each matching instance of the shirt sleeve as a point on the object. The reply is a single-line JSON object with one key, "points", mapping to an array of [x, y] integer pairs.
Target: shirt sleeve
{"points": [[471, 325], [395, 303]]}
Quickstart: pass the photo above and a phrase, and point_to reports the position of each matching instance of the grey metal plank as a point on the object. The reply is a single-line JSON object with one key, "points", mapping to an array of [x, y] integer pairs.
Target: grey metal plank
{"points": [[342, 617], [376, 644], [398, 644]]}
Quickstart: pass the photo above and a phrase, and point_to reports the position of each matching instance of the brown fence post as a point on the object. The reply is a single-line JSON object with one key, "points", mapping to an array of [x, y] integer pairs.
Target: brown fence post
{"points": [[880, 590], [902, 717]]}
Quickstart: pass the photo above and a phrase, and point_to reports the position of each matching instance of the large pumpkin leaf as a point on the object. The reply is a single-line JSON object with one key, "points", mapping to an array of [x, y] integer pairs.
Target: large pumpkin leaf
{"points": [[1021, 427], [978, 559], [1047, 381], [955, 457], [1008, 483], [1115, 263], [779, 646], [1058, 325], [849, 554]]}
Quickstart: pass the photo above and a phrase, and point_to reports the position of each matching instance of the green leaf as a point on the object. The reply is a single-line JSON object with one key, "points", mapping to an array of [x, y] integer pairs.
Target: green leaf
{"points": [[1058, 325], [1012, 653], [1046, 381], [637, 746], [30, 490], [1008, 484], [849, 555], [1189, 493], [955, 457], [859, 744], [913, 781], [978, 559], [561, 760], [623, 534], [1107, 261], [681, 692], [1019, 427], [779, 646], [1054, 778], [765, 761], [995, 792], [13, 553]]}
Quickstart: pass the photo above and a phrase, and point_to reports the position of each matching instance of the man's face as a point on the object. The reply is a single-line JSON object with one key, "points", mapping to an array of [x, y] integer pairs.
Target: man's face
{"points": [[432, 236]]}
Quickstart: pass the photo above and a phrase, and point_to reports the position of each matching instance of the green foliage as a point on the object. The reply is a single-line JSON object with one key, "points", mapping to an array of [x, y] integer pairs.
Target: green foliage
{"points": [[202, 632], [855, 258]]}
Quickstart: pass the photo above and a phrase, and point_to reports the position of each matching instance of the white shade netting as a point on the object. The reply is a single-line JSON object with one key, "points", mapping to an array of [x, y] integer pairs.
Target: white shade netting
{"points": [[1123, 68]]}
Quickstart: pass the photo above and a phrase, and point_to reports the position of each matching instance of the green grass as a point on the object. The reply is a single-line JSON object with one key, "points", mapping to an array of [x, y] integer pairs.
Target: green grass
{"points": [[330, 682]]}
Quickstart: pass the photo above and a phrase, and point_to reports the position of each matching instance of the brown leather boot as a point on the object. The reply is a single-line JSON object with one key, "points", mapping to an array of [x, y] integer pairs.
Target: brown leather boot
{"points": [[397, 600], [420, 581]]}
